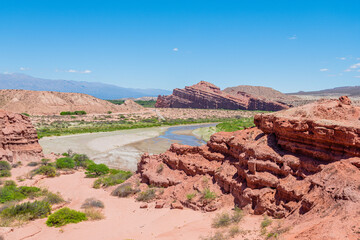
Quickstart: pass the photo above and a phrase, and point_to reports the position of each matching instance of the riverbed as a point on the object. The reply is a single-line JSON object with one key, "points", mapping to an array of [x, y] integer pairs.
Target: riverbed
{"points": [[123, 149]]}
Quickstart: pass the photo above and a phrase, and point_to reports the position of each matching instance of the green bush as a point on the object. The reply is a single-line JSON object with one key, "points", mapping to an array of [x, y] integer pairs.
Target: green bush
{"points": [[26, 114], [124, 190], [73, 113], [82, 160], [112, 179], [65, 216], [47, 170], [30, 191], [53, 198], [65, 162], [10, 193], [221, 220], [147, 195], [33, 210], [190, 196], [5, 173], [208, 195], [4, 165], [96, 170], [33, 164]]}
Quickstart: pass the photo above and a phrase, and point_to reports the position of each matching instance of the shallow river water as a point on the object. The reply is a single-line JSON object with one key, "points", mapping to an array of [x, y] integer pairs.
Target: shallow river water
{"points": [[123, 149]]}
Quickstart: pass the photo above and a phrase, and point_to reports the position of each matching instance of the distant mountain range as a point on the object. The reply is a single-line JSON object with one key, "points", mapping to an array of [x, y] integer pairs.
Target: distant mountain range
{"points": [[99, 90], [353, 91]]}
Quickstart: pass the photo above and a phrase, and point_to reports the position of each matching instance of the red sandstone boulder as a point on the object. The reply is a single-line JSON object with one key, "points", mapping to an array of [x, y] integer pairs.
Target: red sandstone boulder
{"points": [[208, 96], [18, 138]]}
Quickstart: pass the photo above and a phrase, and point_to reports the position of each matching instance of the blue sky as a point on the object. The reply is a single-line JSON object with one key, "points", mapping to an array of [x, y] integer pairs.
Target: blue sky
{"points": [[288, 45]]}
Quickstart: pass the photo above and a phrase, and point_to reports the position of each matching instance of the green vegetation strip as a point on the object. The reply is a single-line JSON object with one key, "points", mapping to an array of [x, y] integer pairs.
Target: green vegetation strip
{"points": [[59, 130], [147, 104]]}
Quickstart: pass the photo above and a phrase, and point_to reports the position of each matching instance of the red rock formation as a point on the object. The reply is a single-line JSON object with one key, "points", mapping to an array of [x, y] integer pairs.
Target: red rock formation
{"points": [[301, 164], [208, 96], [18, 138]]}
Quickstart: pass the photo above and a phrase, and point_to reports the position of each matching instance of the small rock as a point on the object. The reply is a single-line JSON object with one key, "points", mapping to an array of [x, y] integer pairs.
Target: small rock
{"points": [[144, 205], [176, 205], [159, 204]]}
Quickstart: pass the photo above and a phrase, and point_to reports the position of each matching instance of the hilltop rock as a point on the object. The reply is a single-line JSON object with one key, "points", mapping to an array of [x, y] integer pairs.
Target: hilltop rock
{"points": [[301, 164], [18, 138], [52, 103], [208, 96]]}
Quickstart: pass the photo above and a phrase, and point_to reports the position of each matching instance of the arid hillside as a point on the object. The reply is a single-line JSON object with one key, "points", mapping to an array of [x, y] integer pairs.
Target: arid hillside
{"points": [[262, 93], [52, 103]]}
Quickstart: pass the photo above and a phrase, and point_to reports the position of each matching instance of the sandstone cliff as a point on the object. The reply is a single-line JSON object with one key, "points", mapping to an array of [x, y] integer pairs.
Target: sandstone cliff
{"points": [[208, 96], [18, 138], [301, 164]]}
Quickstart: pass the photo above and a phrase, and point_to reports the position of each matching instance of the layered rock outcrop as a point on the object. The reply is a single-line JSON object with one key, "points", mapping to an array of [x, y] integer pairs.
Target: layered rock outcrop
{"points": [[301, 164], [18, 138], [208, 96]]}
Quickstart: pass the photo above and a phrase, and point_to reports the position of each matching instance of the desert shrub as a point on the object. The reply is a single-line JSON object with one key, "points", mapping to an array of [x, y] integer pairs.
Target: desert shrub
{"points": [[233, 231], [266, 222], [96, 170], [65, 216], [94, 214], [5, 173], [237, 215], [109, 112], [216, 236], [46, 170], [92, 203], [53, 198], [45, 161], [221, 220], [33, 164], [124, 190], [160, 168], [17, 164], [65, 162], [82, 160], [147, 195], [190, 196], [30, 192], [4, 165], [208, 195], [112, 179], [26, 114], [9, 183], [33, 210]]}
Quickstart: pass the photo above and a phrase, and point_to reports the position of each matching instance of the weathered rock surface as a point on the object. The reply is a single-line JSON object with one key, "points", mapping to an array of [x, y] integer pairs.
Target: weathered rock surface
{"points": [[18, 138], [208, 96], [301, 164]]}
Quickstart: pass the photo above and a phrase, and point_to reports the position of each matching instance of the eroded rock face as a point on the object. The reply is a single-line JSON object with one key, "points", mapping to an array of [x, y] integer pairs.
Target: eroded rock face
{"points": [[18, 138], [205, 95], [301, 164]]}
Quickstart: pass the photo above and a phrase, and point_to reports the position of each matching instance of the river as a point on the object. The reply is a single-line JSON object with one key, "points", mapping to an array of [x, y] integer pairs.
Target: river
{"points": [[123, 149]]}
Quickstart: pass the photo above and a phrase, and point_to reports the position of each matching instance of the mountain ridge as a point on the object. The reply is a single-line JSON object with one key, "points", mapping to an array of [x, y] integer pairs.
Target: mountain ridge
{"points": [[96, 89]]}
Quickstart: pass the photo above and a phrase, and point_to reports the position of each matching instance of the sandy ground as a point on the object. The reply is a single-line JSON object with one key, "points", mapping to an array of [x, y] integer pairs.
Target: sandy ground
{"points": [[124, 219]]}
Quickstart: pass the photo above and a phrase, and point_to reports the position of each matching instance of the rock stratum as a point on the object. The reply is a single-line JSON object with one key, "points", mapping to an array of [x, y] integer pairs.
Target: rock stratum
{"points": [[18, 138], [205, 95], [52, 103], [300, 164]]}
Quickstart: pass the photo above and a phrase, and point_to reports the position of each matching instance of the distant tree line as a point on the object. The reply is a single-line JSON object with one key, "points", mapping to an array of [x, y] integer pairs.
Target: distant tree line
{"points": [[73, 113]]}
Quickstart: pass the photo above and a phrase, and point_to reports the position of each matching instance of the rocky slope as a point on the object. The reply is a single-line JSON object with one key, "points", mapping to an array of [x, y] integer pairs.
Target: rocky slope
{"points": [[301, 164], [208, 96], [262, 93], [52, 103], [18, 138]]}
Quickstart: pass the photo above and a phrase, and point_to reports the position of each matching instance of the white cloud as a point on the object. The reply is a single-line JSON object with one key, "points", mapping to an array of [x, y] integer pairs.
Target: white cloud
{"points": [[357, 65], [356, 76], [175, 49], [324, 69], [293, 37], [77, 71], [357, 58], [24, 68], [347, 70], [342, 58]]}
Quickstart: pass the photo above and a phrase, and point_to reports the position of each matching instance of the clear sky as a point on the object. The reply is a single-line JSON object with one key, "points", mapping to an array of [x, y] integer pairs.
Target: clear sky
{"points": [[289, 45]]}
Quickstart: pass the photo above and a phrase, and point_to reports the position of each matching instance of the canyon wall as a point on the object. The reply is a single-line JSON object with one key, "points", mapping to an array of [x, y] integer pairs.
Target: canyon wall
{"points": [[18, 138], [301, 164]]}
